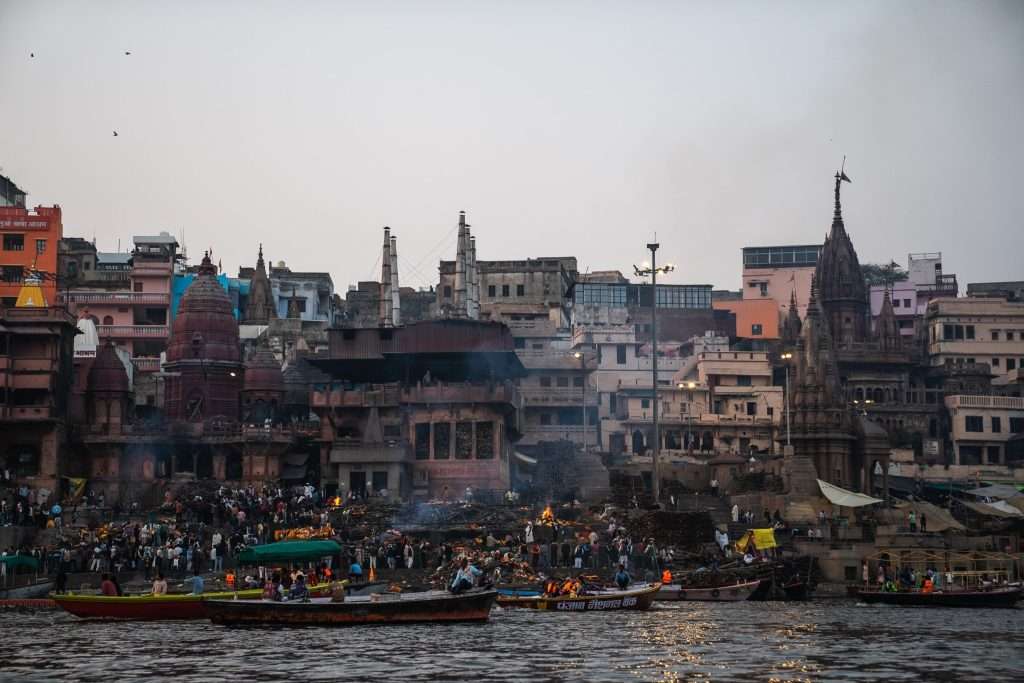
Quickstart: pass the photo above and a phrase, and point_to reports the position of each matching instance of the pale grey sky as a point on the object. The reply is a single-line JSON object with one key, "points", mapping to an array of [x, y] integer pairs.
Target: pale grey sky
{"points": [[562, 128]]}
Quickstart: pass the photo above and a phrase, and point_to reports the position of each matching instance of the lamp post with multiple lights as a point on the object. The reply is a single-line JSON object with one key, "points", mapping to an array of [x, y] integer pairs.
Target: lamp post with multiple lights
{"points": [[653, 271], [787, 357]]}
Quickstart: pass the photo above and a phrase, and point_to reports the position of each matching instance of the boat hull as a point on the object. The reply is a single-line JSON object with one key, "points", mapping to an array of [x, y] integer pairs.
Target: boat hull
{"points": [[432, 607], [734, 593], [150, 607], [637, 599], [28, 591], [1002, 597]]}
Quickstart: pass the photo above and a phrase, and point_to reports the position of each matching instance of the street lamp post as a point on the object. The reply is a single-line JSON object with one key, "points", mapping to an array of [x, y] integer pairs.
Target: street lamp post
{"points": [[787, 357], [653, 271], [691, 385], [583, 394]]}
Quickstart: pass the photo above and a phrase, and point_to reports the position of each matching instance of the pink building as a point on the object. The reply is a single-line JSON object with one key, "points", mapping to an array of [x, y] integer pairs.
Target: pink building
{"points": [[777, 272], [135, 314]]}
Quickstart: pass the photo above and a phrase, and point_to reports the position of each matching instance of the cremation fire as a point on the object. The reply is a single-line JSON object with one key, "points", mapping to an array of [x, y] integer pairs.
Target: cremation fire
{"points": [[547, 517]]}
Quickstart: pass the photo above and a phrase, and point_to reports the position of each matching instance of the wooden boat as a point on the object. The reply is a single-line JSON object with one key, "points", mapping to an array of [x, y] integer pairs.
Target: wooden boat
{"points": [[732, 593], [151, 607], [995, 597], [384, 608], [638, 598], [28, 591]]}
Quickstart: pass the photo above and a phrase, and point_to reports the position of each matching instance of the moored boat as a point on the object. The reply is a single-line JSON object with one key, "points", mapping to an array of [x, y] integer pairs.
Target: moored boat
{"points": [[638, 598], [994, 597], [383, 608], [171, 606], [729, 593]]}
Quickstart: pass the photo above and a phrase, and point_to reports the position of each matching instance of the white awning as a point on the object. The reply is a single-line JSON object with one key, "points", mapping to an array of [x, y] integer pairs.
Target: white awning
{"points": [[525, 458], [844, 498]]}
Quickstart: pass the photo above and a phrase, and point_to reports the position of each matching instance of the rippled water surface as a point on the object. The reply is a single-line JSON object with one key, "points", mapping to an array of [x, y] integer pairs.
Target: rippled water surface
{"points": [[819, 641]]}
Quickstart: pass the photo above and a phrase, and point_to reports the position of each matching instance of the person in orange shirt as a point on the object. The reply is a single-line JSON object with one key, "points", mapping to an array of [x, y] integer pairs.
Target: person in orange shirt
{"points": [[229, 578], [666, 577]]}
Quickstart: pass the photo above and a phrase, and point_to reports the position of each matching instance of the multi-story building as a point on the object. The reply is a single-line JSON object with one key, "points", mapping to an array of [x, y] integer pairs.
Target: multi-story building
{"points": [[981, 427], [777, 272], [29, 241], [422, 410], [1011, 291], [983, 330], [36, 352], [524, 290], [310, 295], [723, 402], [128, 296], [909, 298]]}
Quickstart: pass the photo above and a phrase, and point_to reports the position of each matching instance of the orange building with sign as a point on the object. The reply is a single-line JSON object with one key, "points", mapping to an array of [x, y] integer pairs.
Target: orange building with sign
{"points": [[28, 239]]}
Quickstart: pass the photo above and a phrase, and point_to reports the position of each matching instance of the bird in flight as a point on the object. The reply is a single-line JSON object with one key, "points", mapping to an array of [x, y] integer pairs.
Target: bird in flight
{"points": [[115, 133], [32, 54], [127, 52]]}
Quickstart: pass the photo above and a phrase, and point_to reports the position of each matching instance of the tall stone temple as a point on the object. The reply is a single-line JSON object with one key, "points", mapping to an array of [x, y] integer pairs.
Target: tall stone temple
{"points": [[834, 346], [260, 307]]}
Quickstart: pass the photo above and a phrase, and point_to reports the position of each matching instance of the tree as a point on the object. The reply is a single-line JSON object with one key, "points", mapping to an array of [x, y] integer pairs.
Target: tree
{"points": [[878, 274]]}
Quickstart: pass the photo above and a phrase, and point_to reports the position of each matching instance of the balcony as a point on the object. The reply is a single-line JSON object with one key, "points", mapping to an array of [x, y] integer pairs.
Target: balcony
{"points": [[546, 396], [120, 298], [1000, 402], [461, 393], [355, 398], [132, 331], [143, 364]]}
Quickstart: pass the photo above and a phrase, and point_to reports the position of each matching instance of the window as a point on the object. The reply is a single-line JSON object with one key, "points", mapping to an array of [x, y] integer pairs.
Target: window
{"points": [[995, 362], [1016, 425], [970, 331], [1009, 335], [680, 296], [763, 287], [108, 320], [137, 286], [947, 332], [743, 381], [492, 291], [505, 290], [484, 440], [993, 455], [959, 331], [538, 345], [520, 290], [40, 246], [755, 329], [1011, 364], [995, 335], [545, 381], [645, 403], [600, 295], [751, 408], [422, 441], [463, 440], [14, 243], [545, 418], [562, 381], [997, 425], [906, 303], [895, 303], [442, 440], [447, 292], [11, 274], [771, 411], [620, 354], [577, 382], [973, 423]]}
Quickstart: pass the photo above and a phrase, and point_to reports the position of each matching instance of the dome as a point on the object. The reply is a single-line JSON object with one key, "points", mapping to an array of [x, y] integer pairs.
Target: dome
{"points": [[107, 373], [205, 325], [263, 372]]}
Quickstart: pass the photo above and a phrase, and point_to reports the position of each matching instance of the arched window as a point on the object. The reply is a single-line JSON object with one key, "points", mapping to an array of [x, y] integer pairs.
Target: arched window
{"points": [[108, 320], [879, 396], [859, 395]]}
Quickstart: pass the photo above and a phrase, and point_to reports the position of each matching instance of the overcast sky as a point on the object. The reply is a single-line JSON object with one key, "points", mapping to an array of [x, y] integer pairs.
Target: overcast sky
{"points": [[562, 128]]}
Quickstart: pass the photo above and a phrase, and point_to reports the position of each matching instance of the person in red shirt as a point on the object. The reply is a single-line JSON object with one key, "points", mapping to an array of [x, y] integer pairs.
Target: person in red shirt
{"points": [[107, 587]]}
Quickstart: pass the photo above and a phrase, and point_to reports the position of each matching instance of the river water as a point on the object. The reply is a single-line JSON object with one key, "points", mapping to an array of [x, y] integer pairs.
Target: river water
{"points": [[815, 641]]}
